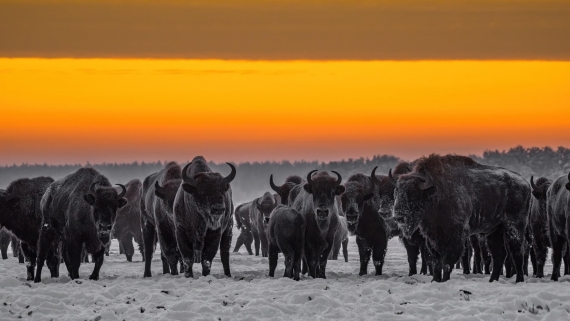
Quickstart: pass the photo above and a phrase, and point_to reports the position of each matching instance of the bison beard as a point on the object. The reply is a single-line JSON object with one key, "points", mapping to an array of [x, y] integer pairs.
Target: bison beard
{"points": [[157, 218], [451, 197], [318, 203], [77, 209], [203, 216]]}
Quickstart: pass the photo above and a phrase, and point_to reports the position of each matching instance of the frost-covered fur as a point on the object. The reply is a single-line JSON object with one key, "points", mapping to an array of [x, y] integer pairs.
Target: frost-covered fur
{"points": [[286, 233], [128, 223], [259, 212], [558, 212], [451, 197], [360, 203], [157, 217], [20, 214], [203, 217], [74, 215], [318, 203], [243, 223]]}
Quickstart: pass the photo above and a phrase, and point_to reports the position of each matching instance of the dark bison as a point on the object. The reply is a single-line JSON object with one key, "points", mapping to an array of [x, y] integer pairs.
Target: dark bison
{"points": [[259, 212], [451, 197], [340, 240], [157, 217], [128, 222], [78, 209], [243, 223], [558, 211], [286, 232], [284, 190], [20, 214], [318, 203], [203, 216]]}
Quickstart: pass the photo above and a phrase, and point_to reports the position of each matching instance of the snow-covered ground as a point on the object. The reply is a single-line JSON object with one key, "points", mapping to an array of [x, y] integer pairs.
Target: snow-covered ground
{"points": [[122, 293]]}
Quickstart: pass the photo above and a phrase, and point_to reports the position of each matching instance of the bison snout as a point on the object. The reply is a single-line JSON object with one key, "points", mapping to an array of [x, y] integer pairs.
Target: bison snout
{"points": [[266, 220], [218, 209], [322, 213], [105, 227]]}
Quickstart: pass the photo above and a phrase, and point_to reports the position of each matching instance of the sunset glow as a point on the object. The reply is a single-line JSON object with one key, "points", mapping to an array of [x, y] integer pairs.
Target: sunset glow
{"points": [[79, 110]]}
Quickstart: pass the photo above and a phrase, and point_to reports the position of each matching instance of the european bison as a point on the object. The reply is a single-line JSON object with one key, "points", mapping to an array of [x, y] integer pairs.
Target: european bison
{"points": [[259, 212], [157, 217], [128, 222], [78, 209], [20, 214], [203, 216], [452, 197], [318, 203], [286, 232], [558, 211], [243, 223]]}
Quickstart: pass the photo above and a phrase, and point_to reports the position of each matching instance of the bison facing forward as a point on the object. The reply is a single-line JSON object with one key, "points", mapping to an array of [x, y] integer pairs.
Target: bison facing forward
{"points": [[128, 223]]}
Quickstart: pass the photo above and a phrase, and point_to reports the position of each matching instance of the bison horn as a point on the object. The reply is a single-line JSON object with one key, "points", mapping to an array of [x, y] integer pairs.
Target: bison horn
{"points": [[392, 179], [123, 192], [228, 179], [339, 178], [375, 180], [272, 184], [92, 188], [309, 180], [187, 179], [532, 184], [425, 184]]}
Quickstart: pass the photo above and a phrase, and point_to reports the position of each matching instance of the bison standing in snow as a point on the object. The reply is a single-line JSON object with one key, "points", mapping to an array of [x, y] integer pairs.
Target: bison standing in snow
{"points": [[157, 217], [128, 222], [243, 223], [318, 203], [286, 232], [558, 211], [203, 216], [78, 209], [20, 214], [340, 240], [259, 212], [451, 197]]}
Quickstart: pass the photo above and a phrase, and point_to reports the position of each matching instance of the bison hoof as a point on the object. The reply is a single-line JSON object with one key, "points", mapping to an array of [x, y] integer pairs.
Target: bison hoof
{"points": [[554, 278], [94, 277], [188, 274], [147, 275]]}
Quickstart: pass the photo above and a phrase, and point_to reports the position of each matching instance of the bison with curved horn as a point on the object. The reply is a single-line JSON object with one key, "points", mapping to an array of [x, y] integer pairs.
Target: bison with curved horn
{"points": [[259, 213], [203, 216], [128, 223], [317, 201], [157, 217], [78, 209], [558, 212], [451, 197]]}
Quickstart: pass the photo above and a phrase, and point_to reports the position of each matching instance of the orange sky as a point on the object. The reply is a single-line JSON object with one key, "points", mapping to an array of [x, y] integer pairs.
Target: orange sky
{"points": [[79, 110]]}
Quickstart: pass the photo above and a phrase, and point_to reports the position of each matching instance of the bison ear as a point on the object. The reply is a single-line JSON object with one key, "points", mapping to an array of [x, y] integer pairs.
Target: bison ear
{"points": [[430, 190], [190, 189], [368, 196], [308, 188], [339, 190], [159, 194], [537, 195], [90, 199], [13, 202], [122, 202]]}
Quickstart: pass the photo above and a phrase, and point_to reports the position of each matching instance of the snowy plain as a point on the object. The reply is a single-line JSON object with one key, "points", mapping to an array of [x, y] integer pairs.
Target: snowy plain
{"points": [[122, 293]]}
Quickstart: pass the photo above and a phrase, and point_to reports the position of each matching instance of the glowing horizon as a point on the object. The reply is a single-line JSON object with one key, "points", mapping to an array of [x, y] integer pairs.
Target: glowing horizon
{"points": [[122, 110]]}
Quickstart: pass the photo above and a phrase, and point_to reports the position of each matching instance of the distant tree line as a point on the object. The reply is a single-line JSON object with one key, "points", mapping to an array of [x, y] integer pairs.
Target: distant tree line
{"points": [[252, 179]]}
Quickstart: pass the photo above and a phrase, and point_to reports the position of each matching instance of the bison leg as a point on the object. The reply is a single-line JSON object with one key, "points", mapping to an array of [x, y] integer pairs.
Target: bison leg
{"points": [[4, 248], [509, 266], [256, 242], [496, 245], [466, 258], [477, 258], [345, 250], [248, 240], [458, 265], [365, 252], [558, 245], [264, 243], [412, 251], [515, 239], [164, 260], [98, 258], [225, 245], [30, 256], [273, 256], [126, 242], [72, 255], [149, 241], [566, 259], [47, 240], [239, 242]]}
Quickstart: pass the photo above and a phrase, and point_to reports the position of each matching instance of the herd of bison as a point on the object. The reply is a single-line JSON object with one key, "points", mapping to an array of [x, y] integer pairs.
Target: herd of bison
{"points": [[445, 208]]}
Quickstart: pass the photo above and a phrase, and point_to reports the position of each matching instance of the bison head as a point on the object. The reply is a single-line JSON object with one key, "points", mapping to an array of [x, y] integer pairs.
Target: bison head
{"points": [[283, 190], [539, 189], [266, 206], [324, 189], [386, 186], [167, 193], [104, 202], [414, 195], [209, 192], [355, 195]]}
